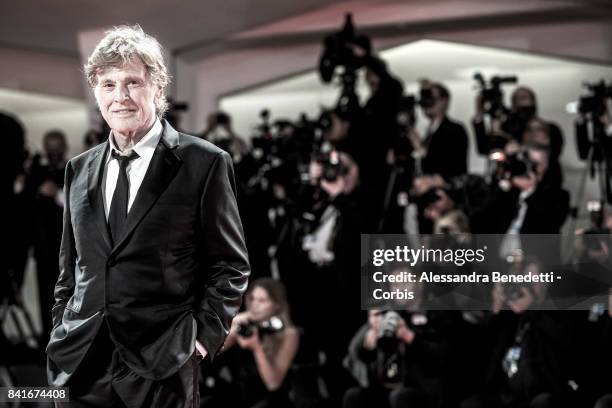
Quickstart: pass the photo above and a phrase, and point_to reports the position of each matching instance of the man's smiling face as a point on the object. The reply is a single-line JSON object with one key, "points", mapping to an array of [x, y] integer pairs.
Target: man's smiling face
{"points": [[126, 98]]}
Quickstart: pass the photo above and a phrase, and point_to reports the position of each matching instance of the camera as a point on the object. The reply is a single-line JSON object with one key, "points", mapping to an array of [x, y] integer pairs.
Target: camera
{"points": [[330, 161], [430, 196], [387, 338], [492, 95], [406, 116], [514, 165], [515, 261], [338, 52], [271, 326], [594, 104]]}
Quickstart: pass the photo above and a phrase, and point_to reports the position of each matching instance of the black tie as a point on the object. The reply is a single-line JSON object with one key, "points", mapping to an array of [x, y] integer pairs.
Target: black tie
{"points": [[118, 209]]}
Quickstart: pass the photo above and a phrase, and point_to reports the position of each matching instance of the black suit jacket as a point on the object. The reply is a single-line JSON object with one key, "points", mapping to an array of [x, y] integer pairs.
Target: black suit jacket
{"points": [[177, 272], [447, 150]]}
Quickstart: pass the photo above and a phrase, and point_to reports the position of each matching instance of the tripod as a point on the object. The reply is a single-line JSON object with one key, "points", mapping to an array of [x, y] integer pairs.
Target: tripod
{"points": [[599, 165]]}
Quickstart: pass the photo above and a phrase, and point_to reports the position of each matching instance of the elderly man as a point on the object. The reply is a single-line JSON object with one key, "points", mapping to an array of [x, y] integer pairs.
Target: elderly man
{"points": [[153, 263]]}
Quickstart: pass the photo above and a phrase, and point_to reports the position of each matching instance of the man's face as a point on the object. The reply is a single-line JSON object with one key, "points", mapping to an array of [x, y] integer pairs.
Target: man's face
{"points": [[55, 149], [372, 80], [126, 98], [439, 106], [536, 133], [522, 99], [338, 129]]}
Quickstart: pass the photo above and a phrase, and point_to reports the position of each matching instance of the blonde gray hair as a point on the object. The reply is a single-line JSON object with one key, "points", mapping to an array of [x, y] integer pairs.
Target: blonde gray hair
{"points": [[119, 47]]}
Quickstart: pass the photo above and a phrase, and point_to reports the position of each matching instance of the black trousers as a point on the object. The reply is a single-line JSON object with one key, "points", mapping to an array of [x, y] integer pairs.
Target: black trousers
{"points": [[104, 380]]}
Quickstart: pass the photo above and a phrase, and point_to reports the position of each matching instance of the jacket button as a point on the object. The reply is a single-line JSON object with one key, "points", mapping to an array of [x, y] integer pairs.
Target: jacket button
{"points": [[111, 262]]}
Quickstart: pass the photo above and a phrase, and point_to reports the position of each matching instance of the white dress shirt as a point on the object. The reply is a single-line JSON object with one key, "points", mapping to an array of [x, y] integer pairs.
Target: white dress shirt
{"points": [[136, 169]]}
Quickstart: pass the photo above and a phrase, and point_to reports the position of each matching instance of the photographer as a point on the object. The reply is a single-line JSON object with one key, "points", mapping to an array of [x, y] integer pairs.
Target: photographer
{"points": [[337, 175], [379, 130], [44, 185], [596, 109], [522, 201], [330, 266], [593, 245], [594, 134], [398, 360], [269, 343], [445, 146], [539, 133], [525, 368], [591, 338], [517, 297], [506, 125], [19, 225], [219, 131], [460, 198], [342, 135]]}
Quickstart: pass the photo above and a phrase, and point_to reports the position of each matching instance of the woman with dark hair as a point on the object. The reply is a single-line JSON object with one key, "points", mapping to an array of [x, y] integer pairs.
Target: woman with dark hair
{"points": [[269, 343]]}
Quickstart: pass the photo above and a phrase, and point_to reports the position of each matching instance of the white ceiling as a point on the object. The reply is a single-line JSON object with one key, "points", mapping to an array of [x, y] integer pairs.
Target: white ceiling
{"points": [[52, 26]]}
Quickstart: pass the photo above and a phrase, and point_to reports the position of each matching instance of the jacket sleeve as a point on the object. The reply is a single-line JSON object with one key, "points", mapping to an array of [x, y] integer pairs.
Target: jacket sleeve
{"points": [[224, 256], [64, 287], [482, 138]]}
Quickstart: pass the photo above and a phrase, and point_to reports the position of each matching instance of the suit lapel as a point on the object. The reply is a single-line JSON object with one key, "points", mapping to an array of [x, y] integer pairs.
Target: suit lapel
{"points": [[162, 169], [95, 172]]}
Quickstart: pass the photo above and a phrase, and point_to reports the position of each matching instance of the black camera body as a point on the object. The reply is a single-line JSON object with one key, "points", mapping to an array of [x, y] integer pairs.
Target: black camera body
{"points": [[515, 165], [430, 196], [332, 166], [594, 104], [270, 326], [338, 50], [387, 341], [406, 116], [492, 95]]}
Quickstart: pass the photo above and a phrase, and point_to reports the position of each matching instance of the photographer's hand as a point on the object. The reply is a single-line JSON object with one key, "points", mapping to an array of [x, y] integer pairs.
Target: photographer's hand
{"points": [[499, 298], [600, 255], [606, 121], [48, 189], [525, 183], [371, 339], [423, 183], [479, 108], [404, 333], [416, 142], [239, 319], [334, 188], [252, 342], [437, 209], [520, 305], [315, 170], [512, 147]]}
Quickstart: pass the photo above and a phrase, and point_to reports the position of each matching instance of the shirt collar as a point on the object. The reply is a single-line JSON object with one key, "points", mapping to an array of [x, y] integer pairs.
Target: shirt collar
{"points": [[145, 146], [434, 125]]}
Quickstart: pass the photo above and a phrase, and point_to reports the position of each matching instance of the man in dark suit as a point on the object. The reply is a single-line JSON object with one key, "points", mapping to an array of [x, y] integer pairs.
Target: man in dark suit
{"points": [[153, 263], [444, 149]]}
